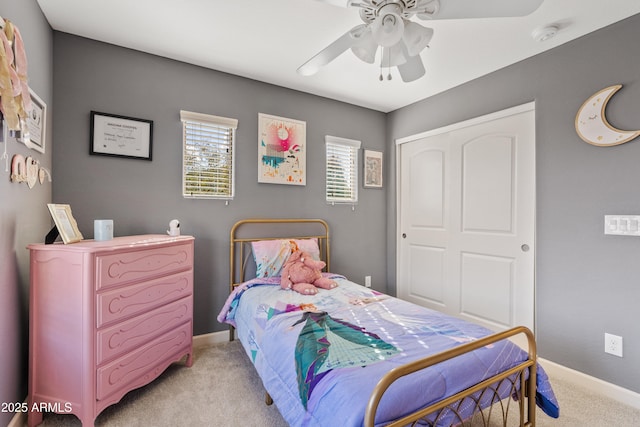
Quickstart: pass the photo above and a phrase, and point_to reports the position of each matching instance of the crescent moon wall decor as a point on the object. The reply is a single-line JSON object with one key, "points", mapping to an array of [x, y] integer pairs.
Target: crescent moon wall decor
{"points": [[592, 124]]}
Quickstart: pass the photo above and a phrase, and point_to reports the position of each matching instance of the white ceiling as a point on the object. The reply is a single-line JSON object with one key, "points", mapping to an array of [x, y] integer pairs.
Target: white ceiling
{"points": [[268, 40]]}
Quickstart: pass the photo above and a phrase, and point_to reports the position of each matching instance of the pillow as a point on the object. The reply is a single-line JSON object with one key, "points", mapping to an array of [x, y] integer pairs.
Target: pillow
{"points": [[270, 255]]}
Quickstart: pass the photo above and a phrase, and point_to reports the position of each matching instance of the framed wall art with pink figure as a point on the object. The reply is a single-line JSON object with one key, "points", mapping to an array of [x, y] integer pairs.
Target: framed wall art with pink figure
{"points": [[281, 150]]}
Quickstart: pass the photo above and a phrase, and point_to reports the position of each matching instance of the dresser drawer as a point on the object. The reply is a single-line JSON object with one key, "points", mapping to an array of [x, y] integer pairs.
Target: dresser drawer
{"points": [[135, 332], [128, 266], [119, 303], [128, 369]]}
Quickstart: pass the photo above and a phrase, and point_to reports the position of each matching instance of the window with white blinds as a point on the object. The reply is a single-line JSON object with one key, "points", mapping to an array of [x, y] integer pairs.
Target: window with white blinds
{"points": [[342, 169], [208, 166]]}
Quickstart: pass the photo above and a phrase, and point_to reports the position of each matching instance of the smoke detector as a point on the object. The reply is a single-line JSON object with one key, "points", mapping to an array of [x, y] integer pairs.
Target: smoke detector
{"points": [[542, 34]]}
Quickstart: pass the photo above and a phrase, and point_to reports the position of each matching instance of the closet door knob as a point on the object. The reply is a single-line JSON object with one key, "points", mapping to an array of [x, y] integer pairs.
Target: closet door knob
{"points": [[525, 248], [404, 235]]}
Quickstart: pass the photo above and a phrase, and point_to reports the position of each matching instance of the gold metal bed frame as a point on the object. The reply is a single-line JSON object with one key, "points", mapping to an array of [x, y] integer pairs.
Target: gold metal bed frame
{"points": [[519, 380]]}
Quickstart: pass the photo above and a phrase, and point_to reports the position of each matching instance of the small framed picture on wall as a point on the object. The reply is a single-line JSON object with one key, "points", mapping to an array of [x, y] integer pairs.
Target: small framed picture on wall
{"points": [[37, 122], [372, 169]]}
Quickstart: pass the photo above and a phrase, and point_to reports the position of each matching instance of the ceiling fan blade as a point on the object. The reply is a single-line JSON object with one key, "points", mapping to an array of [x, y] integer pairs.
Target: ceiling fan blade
{"points": [[463, 9], [412, 70], [340, 3], [331, 52]]}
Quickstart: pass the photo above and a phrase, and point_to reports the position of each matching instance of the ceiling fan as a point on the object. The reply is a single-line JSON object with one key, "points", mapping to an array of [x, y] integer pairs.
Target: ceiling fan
{"points": [[388, 26]]}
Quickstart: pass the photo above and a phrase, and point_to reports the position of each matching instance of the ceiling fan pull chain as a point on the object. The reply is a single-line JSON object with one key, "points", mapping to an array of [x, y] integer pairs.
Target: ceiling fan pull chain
{"points": [[389, 64]]}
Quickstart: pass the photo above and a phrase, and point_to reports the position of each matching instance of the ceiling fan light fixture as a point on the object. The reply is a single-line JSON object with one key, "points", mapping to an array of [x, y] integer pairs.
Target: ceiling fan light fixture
{"points": [[388, 26], [365, 47], [416, 37]]}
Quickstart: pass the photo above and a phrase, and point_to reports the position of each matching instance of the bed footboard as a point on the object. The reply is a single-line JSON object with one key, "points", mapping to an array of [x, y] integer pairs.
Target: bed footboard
{"points": [[520, 381]]}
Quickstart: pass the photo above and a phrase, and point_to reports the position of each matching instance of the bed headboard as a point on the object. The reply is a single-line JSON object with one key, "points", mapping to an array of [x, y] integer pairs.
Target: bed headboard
{"points": [[246, 231]]}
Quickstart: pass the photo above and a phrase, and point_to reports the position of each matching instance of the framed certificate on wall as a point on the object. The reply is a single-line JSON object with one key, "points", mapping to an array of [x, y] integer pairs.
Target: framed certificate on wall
{"points": [[114, 135]]}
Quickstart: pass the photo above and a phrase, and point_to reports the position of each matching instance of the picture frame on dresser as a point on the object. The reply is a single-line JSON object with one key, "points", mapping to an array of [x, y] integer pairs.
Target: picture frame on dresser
{"points": [[65, 224]]}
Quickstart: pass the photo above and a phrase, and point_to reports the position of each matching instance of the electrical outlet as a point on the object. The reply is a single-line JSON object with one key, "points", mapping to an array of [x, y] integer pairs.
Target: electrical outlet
{"points": [[367, 281], [613, 344]]}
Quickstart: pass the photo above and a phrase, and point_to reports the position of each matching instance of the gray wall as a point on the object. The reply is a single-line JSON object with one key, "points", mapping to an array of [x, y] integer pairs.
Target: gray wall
{"points": [[142, 196], [586, 283], [24, 217]]}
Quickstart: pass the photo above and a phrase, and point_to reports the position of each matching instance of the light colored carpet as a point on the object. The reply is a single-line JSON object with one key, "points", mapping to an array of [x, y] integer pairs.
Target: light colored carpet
{"points": [[222, 389]]}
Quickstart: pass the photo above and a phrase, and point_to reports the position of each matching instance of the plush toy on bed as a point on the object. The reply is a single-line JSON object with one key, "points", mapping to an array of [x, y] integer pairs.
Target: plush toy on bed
{"points": [[302, 273]]}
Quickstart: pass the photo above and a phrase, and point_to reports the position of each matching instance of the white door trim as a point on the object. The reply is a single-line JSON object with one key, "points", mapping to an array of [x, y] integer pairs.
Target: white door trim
{"points": [[470, 122]]}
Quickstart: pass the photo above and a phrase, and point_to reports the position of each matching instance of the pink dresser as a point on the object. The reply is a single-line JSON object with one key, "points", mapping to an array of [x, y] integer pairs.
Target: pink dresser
{"points": [[106, 317]]}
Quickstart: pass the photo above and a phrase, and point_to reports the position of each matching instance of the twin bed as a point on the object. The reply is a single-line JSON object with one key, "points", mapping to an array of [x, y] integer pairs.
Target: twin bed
{"points": [[352, 356]]}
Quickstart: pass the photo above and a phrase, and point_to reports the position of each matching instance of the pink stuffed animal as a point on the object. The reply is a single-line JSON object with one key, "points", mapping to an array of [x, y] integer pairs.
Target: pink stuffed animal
{"points": [[303, 274]]}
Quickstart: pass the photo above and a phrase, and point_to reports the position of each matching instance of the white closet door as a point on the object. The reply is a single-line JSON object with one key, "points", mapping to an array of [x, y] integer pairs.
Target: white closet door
{"points": [[467, 219]]}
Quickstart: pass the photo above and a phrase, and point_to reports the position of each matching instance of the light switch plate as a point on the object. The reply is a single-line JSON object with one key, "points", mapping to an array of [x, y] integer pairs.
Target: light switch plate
{"points": [[625, 225]]}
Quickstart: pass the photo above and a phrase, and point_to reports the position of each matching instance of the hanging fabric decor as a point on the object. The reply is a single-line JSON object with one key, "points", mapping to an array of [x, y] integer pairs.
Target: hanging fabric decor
{"points": [[15, 100]]}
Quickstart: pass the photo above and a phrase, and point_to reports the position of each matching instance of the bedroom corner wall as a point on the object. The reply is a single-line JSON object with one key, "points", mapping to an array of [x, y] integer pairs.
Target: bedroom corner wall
{"points": [[24, 217], [586, 283], [142, 197]]}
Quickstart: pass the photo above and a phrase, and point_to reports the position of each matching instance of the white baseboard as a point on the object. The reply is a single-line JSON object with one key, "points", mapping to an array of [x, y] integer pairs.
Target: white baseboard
{"points": [[210, 338], [593, 384]]}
